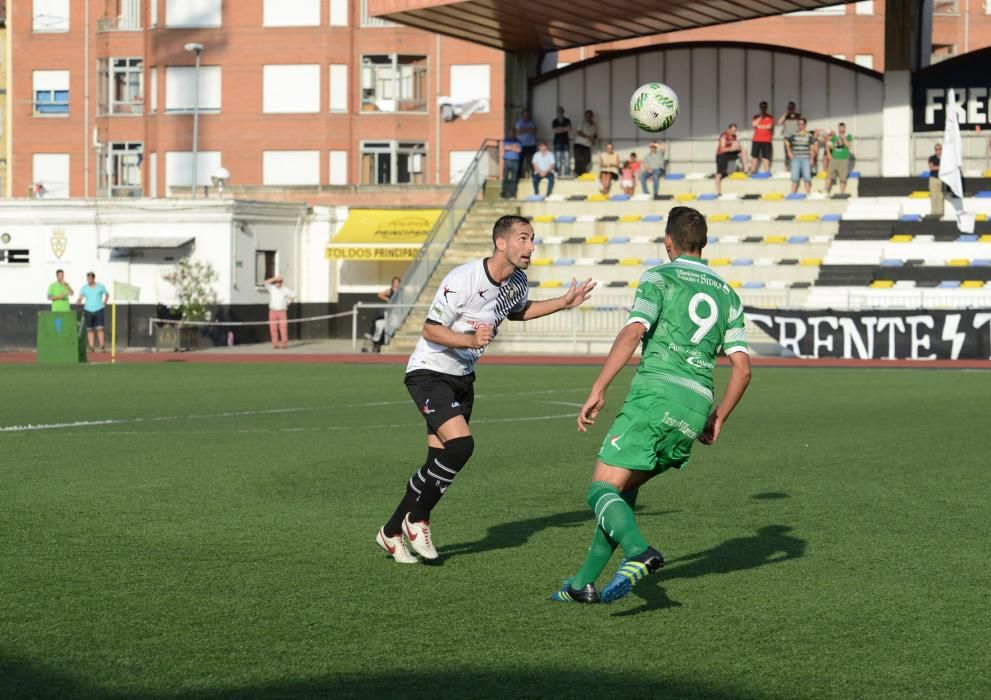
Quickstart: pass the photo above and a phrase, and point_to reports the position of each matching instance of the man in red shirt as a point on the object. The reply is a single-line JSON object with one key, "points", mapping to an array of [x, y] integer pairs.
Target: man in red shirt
{"points": [[761, 150]]}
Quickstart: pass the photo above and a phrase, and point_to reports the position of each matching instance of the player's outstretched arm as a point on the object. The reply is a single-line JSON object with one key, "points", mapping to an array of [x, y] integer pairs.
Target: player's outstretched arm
{"points": [[620, 353], [578, 293], [739, 379], [442, 335]]}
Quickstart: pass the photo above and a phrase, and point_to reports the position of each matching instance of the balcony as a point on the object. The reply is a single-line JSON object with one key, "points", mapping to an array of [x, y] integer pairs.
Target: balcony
{"points": [[127, 19]]}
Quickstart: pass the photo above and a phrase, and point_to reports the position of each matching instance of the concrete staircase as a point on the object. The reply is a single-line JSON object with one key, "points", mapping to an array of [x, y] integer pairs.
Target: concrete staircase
{"points": [[472, 241]]}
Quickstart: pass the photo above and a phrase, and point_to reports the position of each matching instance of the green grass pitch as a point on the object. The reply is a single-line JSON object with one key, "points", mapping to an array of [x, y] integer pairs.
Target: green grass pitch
{"points": [[215, 539]]}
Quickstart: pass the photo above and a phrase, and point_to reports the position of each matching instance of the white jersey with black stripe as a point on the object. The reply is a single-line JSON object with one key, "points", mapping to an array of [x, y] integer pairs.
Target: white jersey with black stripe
{"points": [[466, 299]]}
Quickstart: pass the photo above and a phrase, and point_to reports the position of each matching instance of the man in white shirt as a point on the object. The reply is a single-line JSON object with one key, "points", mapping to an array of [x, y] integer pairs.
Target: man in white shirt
{"points": [[463, 319], [544, 165], [279, 299]]}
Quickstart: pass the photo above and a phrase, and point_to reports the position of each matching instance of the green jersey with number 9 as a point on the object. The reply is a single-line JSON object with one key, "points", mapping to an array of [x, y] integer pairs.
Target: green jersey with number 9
{"points": [[691, 315]]}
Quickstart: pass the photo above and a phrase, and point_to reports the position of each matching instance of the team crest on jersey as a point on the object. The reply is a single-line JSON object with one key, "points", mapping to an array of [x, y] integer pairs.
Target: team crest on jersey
{"points": [[448, 291]]}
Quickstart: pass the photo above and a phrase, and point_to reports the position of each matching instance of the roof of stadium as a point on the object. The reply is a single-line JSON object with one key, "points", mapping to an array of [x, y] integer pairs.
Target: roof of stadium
{"points": [[548, 25]]}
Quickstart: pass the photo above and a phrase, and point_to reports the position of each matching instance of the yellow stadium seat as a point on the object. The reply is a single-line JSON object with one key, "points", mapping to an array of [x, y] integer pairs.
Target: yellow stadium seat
{"points": [[775, 239], [958, 262], [972, 284], [541, 261], [919, 194], [630, 261], [634, 283], [737, 176], [597, 240], [772, 196], [981, 217], [630, 218], [821, 175], [720, 262], [718, 217], [544, 219], [986, 173], [684, 197], [901, 238], [986, 238], [550, 284], [807, 217], [586, 177], [597, 197], [736, 284], [882, 284], [810, 262]]}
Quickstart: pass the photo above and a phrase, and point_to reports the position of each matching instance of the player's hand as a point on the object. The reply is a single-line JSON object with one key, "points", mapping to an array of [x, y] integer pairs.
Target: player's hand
{"points": [[482, 336], [711, 430], [590, 409], [578, 294]]}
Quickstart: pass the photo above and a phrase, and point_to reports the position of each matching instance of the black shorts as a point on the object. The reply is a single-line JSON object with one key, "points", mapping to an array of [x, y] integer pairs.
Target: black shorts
{"points": [[761, 149], [723, 160], [93, 319], [440, 397]]}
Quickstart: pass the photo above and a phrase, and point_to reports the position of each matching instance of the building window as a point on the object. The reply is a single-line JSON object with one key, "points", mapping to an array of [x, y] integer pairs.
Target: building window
{"points": [[50, 173], [864, 59], [866, 7], [941, 52], [291, 168], [819, 11], [945, 7], [120, 170], [392, 162], [393, 83], [120, 86], [122, 15], [291, 13], [368, 20], [338, 87], [291, 89], [51, 92], [338, 168], [180, 89], [470, 83], [265, 266], [192, 13], [179, 169], [50, 16]]}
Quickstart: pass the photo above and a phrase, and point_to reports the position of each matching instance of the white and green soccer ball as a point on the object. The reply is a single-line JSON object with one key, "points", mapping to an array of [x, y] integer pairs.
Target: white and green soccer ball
{"points": [[654, 107]]}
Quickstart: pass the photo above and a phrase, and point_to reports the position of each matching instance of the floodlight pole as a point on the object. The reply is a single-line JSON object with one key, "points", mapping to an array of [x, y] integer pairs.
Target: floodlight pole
{"points": [[196, 49]]}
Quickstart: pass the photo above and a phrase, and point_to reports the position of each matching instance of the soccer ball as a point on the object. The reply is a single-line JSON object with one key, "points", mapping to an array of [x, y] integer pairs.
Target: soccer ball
{"points": [[654, 107]]}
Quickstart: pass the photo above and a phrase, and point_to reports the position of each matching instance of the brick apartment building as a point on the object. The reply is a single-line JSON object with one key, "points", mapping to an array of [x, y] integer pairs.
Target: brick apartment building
{"points": [[307, 92]]}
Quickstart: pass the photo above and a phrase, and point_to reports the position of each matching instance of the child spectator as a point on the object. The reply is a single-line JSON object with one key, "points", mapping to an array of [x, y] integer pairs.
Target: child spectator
{"points": [[626, 178]]}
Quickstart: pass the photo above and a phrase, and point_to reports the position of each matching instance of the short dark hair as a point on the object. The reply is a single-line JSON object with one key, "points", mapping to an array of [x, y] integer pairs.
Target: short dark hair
{"points": [[687, 229], [60, 270], [504, 225], [91, 274], [842, 124], [732, 125]]}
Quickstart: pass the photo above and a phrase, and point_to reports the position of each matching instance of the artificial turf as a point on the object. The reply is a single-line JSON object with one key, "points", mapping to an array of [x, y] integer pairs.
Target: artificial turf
{"points": [[216, 540]]}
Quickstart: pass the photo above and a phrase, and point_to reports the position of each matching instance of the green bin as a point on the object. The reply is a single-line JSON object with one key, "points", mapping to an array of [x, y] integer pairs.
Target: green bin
{"points": [[60, 338]]}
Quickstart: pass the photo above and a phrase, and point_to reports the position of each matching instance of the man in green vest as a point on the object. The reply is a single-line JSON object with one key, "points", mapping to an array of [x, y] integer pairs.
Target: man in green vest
{"points": [[59, 293]]}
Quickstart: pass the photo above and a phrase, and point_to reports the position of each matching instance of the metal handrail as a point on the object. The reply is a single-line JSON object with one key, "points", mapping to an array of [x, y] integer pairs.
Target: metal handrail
{"points": [[432, 252]]}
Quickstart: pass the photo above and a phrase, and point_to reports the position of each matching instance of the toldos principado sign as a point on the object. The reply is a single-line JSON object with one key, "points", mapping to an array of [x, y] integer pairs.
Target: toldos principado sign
{"points": [[970, 77]]}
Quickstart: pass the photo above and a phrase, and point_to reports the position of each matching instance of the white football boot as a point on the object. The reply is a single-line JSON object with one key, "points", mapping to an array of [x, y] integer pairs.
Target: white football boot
{"points": [[395, 547], [418, 535]]}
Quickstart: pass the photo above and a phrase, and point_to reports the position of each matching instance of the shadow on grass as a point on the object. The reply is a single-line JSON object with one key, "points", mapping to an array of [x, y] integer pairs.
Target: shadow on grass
{"points": [[519, 532], [769, 496], [23, 680], [770, 545]]}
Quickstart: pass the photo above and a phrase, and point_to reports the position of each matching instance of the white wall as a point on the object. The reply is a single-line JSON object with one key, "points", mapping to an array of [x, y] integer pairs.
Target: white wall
{"points": [[180, 88], [291, 89], [470, 82], [716, 85]]}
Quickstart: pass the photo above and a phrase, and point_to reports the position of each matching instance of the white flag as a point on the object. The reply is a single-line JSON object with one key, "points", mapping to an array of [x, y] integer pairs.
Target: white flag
{"points": [[952, 158]]}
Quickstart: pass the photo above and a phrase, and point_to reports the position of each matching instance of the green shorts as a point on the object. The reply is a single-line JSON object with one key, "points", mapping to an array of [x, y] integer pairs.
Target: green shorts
{"points": [[654, 430]]}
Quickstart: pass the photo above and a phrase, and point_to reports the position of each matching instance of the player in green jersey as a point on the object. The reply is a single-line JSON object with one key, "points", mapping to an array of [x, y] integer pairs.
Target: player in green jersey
{"points": [[684, 314]]}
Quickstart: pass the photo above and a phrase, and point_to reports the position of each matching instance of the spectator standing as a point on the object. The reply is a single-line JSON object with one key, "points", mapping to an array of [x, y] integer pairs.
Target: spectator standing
{"points": [[762, 150], [626, 178], [279, 299], [935, 184], [543, 164], [652, 166], [585, 138], [511, 149], [93, 296], [800, 148], [728, 151], [377, 334], [838, 166], [526, 132], [608, 168], [562, 143], [60, 293], [789, 126], [635, 164]]}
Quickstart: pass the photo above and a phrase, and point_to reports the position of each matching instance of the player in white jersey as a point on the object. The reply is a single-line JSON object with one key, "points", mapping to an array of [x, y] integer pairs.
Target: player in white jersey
{"points": [[463, 319]]}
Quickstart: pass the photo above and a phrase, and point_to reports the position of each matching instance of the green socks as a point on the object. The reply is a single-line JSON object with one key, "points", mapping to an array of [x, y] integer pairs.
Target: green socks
{"points": [[615, 524]]}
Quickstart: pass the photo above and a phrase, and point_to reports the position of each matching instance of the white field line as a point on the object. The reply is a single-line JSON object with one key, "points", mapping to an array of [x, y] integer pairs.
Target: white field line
{"points": [[236, 414]]}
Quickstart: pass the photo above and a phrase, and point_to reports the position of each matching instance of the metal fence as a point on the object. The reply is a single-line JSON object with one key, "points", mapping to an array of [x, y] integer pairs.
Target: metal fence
{"points": [[450, 219]]}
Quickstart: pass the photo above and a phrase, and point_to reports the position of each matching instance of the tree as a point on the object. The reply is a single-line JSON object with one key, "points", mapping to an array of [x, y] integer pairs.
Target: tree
{"points": [[194, 288]]}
